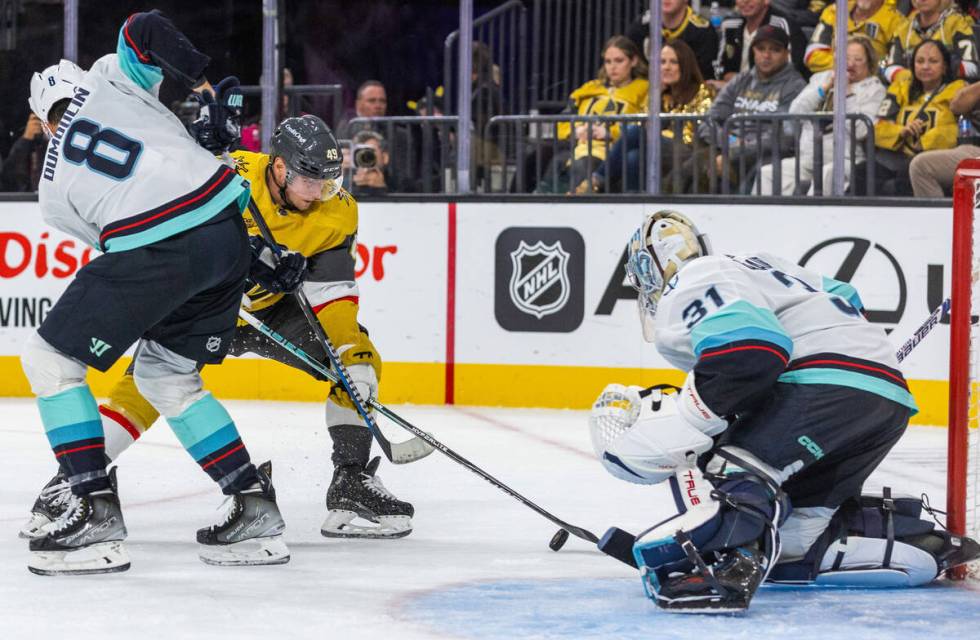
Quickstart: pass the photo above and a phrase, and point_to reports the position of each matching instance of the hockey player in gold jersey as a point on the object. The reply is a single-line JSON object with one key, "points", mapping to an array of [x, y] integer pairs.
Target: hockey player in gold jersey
{"points": [[297, 188]]}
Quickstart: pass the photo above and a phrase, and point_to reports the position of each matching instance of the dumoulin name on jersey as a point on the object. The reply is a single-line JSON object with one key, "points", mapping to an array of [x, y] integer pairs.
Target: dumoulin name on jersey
{"points": [[743, 323], [121, 171]]}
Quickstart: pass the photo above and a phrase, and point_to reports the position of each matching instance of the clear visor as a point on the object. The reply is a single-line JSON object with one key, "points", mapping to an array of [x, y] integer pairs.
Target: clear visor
{"points": [[312, 188]]}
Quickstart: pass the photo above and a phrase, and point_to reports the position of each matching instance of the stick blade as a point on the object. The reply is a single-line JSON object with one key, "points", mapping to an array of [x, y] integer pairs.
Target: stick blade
{"points": [[409, 451]]}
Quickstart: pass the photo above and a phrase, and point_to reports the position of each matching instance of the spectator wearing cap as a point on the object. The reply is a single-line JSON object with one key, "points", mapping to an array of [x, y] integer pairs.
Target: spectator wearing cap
{"points": [[877, 19], [768, 87], [680, 23], [739, 30]]}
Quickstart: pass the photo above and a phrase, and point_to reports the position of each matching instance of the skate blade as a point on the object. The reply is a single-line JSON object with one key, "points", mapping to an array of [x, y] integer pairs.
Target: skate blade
{"points": [[36, 527], [248, 553], [103, 557], [347, 524]]}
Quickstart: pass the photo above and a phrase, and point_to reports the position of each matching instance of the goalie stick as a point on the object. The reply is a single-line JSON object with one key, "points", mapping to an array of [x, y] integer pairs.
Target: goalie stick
{"points": [[408, 451], [264, 329], [923, 330]]}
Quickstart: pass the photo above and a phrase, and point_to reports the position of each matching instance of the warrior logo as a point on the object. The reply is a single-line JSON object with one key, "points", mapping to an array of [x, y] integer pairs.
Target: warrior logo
{"points": [[539, 281]]}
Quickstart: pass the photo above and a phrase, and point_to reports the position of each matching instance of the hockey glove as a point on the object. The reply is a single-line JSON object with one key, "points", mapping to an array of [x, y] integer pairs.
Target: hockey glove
{"points": [[218, 128], [276, 275]]}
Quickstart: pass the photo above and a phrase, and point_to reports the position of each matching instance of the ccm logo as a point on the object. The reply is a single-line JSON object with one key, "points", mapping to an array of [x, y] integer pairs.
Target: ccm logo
{"points": [[18, 252]]}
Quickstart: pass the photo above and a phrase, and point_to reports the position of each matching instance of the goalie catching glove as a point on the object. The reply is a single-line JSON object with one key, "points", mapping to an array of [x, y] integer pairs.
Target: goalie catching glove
{"points": [[218, 128], [645, 440], [276, 274]]}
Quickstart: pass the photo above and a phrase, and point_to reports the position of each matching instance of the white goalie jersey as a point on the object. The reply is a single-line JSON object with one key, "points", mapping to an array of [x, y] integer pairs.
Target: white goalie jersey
{"points": [[122, 172], [761, 304]]}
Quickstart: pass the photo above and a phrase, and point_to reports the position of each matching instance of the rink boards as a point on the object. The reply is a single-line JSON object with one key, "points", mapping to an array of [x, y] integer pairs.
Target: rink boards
{"points": [[523, 304]]}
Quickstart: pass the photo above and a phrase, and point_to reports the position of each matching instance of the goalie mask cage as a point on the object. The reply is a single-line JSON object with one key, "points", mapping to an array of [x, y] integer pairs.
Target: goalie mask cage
{"points": [[963, 470]]}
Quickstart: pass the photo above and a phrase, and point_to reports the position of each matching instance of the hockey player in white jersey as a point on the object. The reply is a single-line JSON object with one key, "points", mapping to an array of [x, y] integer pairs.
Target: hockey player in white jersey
{"points": [[791, 400], [122, 174]]}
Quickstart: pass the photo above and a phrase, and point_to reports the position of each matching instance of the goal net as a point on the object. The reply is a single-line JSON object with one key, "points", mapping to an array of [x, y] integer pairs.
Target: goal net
{"points": [[963, 470]]}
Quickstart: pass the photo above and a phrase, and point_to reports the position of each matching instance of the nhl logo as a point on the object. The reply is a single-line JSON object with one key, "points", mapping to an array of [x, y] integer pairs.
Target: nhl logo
{"points": [[539, 279], [213, 344], [539, 283]]}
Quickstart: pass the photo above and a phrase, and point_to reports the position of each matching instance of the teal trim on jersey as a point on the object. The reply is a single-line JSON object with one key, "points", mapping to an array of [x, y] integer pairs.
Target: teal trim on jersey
{"points": [[844, 290], [220, 438], [200, 421], [144, 75], [233, 192], [854, 380], [75, 432], [740, 320], [69, 408]]}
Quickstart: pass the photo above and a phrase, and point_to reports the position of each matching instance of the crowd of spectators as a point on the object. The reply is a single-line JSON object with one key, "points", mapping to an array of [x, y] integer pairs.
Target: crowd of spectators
{"points": [[909, 72], [913, 71]]}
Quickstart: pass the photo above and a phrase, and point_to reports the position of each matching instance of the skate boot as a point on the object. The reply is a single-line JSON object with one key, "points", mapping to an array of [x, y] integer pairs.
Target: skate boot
{"points": [[85, 539], [250, 532], [359, 506], [51, 503], [725, 586]]}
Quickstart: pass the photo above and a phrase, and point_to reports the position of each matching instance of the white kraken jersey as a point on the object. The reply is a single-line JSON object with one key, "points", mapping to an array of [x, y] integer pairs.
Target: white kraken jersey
{"points": [[121, 171], [723, 304]]}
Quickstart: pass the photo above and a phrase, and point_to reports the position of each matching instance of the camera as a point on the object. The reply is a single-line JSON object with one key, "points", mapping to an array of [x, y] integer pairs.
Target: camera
{"points": [[365, 156]]}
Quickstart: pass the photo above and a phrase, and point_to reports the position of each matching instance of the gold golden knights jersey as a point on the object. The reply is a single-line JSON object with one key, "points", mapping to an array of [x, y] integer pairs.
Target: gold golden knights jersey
{"points": [[881, 28], [596, 99], [325, 234], [898, 108], [953, 29]]}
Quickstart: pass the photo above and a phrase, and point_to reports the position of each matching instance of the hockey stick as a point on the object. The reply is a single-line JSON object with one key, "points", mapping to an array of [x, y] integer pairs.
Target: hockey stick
{"points": [[408, 426], [398, 453], [923, 330]]}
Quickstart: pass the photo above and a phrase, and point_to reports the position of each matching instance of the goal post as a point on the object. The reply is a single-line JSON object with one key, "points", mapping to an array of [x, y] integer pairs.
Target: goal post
{"points": [[963, 459]]}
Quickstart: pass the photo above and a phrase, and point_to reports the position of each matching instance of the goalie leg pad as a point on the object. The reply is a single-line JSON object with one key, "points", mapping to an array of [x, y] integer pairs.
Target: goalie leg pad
{"points": [[878, 541], [714, 555]]}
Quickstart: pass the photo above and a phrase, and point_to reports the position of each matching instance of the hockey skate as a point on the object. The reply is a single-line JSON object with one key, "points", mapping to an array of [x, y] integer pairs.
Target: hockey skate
{"points": [[87, 538], [725, 586], [359, 506], [250, 532], [51, 503]]}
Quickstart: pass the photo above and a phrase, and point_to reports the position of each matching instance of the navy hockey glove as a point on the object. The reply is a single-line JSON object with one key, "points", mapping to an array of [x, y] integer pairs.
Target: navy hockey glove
{"points": [[276, 275], [219, 126]]}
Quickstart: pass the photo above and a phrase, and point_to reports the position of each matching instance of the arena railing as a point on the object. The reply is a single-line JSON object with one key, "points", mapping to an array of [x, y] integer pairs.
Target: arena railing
{"points": [[785, 137], [504, 31], [308, 98], [422, 157], [543, 59], [526, 146]]}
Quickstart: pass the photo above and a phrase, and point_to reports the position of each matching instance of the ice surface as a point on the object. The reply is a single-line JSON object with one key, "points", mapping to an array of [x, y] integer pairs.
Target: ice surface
{"points": [[476, 566]]}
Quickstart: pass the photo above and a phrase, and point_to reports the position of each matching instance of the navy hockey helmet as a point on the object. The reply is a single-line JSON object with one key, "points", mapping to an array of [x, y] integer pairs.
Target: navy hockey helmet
{"points": [[311, 154]]}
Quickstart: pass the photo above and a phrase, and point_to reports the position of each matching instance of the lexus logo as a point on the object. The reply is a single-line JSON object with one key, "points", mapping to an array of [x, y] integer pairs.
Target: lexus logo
{"points": [[857, 258]]}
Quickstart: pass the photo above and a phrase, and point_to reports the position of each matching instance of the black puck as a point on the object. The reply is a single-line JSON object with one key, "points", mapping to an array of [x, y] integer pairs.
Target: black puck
{"points": [[558, 540]]}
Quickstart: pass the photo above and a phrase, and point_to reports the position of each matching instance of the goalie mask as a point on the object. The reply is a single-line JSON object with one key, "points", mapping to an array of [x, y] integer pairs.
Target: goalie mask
{"points": [[312, 157], [658, 250], [55, 83]]}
